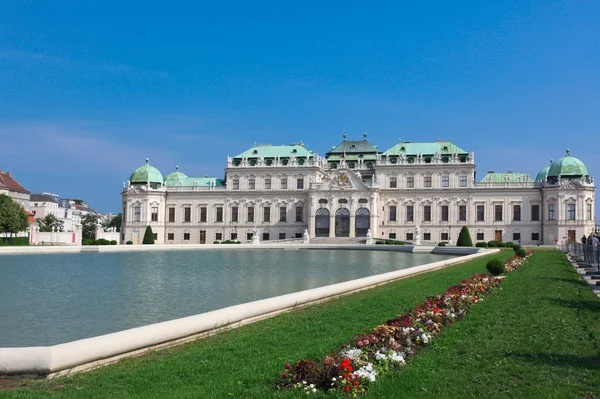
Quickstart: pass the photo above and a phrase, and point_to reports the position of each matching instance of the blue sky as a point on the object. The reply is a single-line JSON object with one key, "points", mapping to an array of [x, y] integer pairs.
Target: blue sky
{"points": [[88, 90]]}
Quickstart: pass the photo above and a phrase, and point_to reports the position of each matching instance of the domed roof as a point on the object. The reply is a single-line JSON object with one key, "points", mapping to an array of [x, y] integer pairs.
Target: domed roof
{"points": [[175, 176], [146, 173], [568, 166], [543, 174]]}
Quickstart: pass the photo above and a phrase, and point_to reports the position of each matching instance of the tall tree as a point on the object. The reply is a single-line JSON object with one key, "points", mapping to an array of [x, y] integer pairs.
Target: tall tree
{"points": [[88, 226], [148, 236], [50, 222], [115, 222], [12, 216], [464, 238]]}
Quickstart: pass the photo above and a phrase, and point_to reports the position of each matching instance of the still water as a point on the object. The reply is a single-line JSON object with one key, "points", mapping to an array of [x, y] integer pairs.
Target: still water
{"points": [[56, 298]]}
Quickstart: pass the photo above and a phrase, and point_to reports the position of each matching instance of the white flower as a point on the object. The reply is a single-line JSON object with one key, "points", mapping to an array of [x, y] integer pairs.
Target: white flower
{"points": [[353, 353], [333, 379], [366, 371], [312, 385], [314, 389], [395, 357], [304, 382], [379, 356]]}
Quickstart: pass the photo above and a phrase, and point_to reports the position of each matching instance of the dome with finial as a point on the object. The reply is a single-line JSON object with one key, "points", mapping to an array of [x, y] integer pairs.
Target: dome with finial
{"points": [[146, 174], [543, 174], [175, 176], [568, 167]]}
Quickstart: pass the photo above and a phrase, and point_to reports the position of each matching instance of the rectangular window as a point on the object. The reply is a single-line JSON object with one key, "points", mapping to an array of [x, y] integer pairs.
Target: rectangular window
{"points": [[392, 213], [137, 214], [427, 181], [265, 236], [298, 235], [571, 211], [445, 181], [251, 183], [535, 212], [249, 236], [299, 212], [445, 213], [267, 214], [155, 235], [479, 236], [392, 236], [203, 214], [186, 236], [480, 213], [409, 236], [551, 211], [234, 235], [409, 213], [462, 181], [589, 211], [516, 236], [268, 183], [410, 181], [171, 215], [284, 183], [427, 236], [251, 214], [219, 214], [282, 236], [155, 214], [427, 213], [498, 213], [535, 236], [236, 183], [516, 213], [444, 236], [218, 236], [283, 214], [393, 182], [170, 236], [187, 214], [300, 183], [234, 214], [462, 213]]}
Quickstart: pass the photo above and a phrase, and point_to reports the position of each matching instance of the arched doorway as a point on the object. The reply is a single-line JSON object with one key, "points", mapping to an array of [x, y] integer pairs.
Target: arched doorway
{"points": [[362, 222], [342, 223], [322, 223]]}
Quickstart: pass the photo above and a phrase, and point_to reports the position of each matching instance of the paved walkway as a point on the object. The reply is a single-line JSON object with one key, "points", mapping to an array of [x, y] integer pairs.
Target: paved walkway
{"points": [[589, 274]]}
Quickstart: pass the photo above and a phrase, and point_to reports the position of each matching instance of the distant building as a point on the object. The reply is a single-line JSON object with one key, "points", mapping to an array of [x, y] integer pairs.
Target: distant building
{"points": [[12, 188]]}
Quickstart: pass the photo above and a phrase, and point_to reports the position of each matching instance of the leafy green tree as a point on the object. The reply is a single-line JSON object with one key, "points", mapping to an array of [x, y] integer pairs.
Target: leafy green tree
{"points": [[49, 222], [464, 238], [148, 236], [88, 226], [116, 222], [12, 216]]}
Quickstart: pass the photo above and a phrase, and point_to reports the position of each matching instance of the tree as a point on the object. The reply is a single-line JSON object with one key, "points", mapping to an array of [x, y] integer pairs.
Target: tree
{"points": [[464, 238], [115, 222], [148, 236], [88, 227], [51, 222], [12, 216]]}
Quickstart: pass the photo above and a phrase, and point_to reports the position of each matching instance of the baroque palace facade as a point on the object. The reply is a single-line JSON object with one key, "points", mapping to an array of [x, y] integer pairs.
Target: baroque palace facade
{"points": [[279, 191]]}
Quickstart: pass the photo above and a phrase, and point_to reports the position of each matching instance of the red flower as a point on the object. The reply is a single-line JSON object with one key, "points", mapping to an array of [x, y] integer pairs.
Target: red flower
{"points": [[346, 388], [284, 375], [355, 382], [347, 375]]}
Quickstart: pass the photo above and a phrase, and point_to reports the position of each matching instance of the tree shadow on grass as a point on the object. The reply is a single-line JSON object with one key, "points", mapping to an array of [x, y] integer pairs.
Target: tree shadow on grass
{"points": [[593, 306], [560, 360], [567, 280]]}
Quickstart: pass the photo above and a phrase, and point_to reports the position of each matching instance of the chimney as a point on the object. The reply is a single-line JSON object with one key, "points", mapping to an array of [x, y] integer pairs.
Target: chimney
{"points": [[490, 171], [8, 173], [509, 171]]}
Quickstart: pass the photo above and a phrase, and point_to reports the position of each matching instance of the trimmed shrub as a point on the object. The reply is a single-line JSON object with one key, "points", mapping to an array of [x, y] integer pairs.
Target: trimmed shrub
{"points": [[516, 247], [521, 252], [113, 242], [101, 241], [216, 242], [441, 244], [148, 236], [129, 243], [495, 267], [389, 242], [464, 238], [14, 241], [493, 244], [379, 242], [482, 244]]}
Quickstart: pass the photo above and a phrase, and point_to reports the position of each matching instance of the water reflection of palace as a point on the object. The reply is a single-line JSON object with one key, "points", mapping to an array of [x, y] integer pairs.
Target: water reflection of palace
{"points": [[283, 190]]}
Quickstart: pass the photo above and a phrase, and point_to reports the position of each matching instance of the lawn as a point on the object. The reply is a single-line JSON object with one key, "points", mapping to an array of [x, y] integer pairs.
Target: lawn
{"points": [[539, 336]]}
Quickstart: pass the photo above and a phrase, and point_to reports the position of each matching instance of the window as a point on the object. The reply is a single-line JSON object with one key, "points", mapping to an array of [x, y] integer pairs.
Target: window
{"points": [[409, 214], [218, 236], [234, 235], [588, 211], [236, 183], [571, 211], [282, 214], [219, 214], [392, 213], [170, 236], [462, 213], [480, 236], [445, 181], [249, 236], [410, 181], [393, 182], [299, 212], [203, 214], [234, 214], [498, 213], [535, 212], [427, 213], [137, 214], [535, 236], [268, 183], [444, 236], [480, 213], [251, 183], [444, 213], [265, 236], [300, 183], [251, 214], [186, 236], [171, 214], [516, 236], [298, 235], [284, 183], [154, 214], [462, 181], [282, 236], [427, 236], [409, 236], [155, 235], [551, 211], [517, 213], [187, 214], [427, 181], [267, 214]]}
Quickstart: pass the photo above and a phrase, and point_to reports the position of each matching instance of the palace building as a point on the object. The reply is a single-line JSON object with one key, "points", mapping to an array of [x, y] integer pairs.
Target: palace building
{"points": [[355, 188]]}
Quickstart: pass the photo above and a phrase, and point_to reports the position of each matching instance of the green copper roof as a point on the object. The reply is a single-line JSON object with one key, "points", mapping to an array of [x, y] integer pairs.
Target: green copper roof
{"points": [[146, 173], [353, 147], [175, 176], [568, 167], [506, 178], [541, 176], [281, 151], [352, 157], [194, 182], [408, 148]]}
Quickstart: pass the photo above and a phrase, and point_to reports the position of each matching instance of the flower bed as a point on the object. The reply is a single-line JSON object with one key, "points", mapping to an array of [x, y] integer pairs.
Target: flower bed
{"points": [[387, 347]]}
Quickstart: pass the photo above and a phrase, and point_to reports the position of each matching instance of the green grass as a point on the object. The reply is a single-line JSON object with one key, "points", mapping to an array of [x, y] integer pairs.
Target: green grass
{"points": [[537, 337]]}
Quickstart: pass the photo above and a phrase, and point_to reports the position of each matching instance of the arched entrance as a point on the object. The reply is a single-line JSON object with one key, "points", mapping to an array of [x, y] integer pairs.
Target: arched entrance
{"points": [[342, 223], [362, 222], [322, 223]]}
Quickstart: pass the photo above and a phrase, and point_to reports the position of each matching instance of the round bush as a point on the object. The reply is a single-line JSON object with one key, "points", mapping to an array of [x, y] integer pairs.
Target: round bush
{"points": [[113, 242], [493, 244], [495, 267], [129, 243], [521, 252], [441, 244], [516, 247], [216, 242], [482, 244], [379, 242], [508, 244], [398, 243], [389, 242]]}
